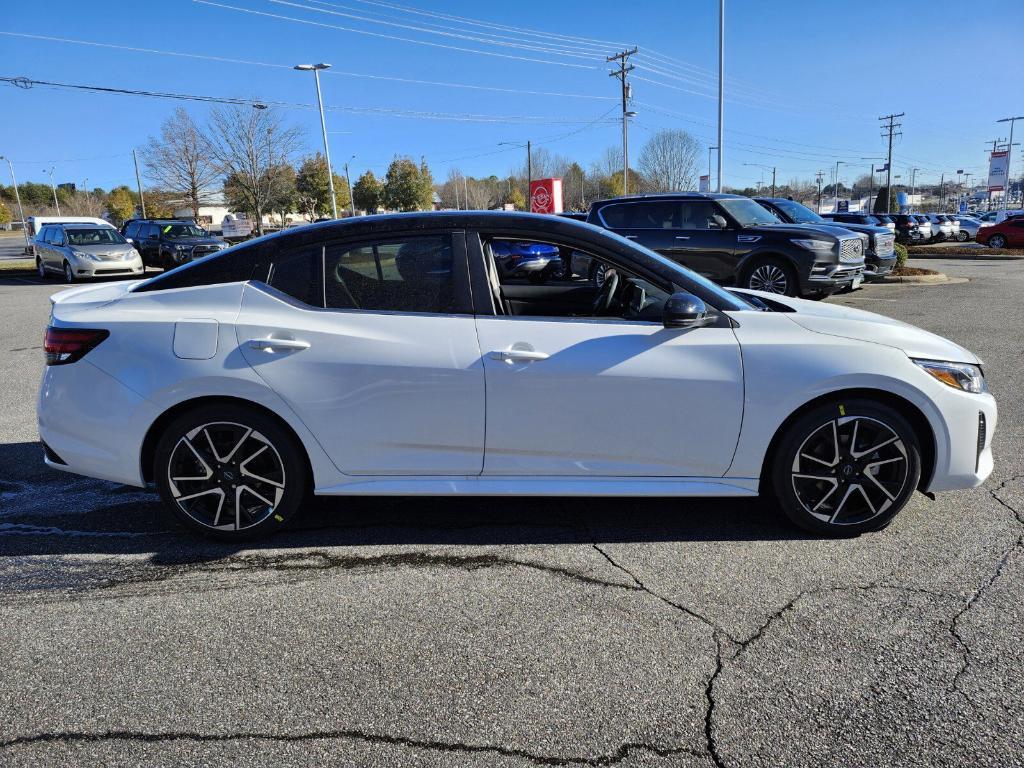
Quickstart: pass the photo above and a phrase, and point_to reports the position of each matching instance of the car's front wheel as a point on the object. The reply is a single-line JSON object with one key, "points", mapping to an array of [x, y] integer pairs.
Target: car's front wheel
{"points": [[43, 274], [771, 276], [230, 472], [997, 241], [963, 236], [846, 467], [69, 273]]}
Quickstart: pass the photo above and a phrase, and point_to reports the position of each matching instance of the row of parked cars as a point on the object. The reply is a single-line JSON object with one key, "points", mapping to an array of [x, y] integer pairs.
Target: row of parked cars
{"points": [[83, 247]]}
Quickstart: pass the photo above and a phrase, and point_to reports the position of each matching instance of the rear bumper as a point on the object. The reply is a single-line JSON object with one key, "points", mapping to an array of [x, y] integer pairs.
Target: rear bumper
{"points": [[94, 424]]}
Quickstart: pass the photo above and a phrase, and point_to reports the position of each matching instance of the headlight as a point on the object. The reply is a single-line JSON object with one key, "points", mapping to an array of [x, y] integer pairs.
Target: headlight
{"points": [[83, 255], [962, 376], [815, 245]]}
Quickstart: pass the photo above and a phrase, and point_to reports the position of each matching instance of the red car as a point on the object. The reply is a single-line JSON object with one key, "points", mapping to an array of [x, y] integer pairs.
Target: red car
{"points": [[1008, 234]]}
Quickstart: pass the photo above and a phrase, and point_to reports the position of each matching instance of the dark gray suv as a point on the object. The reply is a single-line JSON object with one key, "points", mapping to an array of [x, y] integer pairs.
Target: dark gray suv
{"points": [[732, 239]]}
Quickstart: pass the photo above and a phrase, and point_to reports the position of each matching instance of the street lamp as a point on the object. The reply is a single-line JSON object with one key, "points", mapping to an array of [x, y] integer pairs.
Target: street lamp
{"points": [[767, 168], [835, 207], [529, 167], [871, 186], [17, 196], [315, 69], [348, 180], [54, 190], [710, 150]]}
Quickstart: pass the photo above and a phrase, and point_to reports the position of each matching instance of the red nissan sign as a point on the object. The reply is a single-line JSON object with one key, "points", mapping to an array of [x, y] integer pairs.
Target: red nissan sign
{"points": [[546, 196]]}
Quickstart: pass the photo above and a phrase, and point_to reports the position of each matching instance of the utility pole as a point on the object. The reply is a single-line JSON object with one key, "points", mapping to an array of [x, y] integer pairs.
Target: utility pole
{"points": [[721, 86], [820, 176], [942, 190], [871, 184], [913, 185], [138, 183], [54, 190], [1009, 156], [621, 73], [17, 197], [529, 170], [891, 131]]}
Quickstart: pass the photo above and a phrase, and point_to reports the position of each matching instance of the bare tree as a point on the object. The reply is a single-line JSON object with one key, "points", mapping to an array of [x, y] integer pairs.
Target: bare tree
{"points": [[246, 145], [180, 162], [669, 161]]}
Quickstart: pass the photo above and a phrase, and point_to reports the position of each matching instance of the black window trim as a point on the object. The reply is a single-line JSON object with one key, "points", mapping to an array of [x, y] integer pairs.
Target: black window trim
{"points": [[714, 204], [460, 269], [482, 286]]}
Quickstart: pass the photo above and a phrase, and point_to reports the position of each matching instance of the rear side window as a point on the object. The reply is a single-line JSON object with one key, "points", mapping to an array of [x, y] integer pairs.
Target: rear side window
{"points": [[43, 234], [403, 275], [230, 266], [300, 275]]}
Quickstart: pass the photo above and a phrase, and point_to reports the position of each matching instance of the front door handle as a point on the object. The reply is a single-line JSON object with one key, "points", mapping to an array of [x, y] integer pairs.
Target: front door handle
{"points": [[518, 355], [277, 345], [630, 237], [682, 237]]}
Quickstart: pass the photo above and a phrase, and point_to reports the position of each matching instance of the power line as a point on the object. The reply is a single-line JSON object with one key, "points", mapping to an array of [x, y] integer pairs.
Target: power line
{"points": [[250, 62], [390, 37]]}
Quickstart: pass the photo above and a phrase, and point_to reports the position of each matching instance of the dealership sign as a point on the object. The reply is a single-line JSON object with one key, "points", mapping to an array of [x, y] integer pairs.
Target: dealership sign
{"points": [[705, 183], [546, 196], [997, 168]]}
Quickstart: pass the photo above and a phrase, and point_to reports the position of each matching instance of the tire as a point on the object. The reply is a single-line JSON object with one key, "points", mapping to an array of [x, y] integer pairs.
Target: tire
{"points": [[963, 236], [69, 273], [43, 274], [997, 241], [828, 484], [230, 472], [772, 276]]}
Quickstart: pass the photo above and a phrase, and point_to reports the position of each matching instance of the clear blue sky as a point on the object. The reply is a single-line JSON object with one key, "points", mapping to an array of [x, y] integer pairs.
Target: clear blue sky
{"points": [[806, 79]]}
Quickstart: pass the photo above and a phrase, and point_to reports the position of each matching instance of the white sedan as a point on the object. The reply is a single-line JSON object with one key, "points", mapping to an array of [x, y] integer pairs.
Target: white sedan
{"points": [[388, 355]]}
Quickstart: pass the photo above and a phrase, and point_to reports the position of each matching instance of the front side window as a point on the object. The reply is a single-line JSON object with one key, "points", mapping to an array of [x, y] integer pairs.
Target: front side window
{"points": [[56, 236], [180, 231], [800, 214], [132, 229], [748, 213], [414, 274], [43, 236], [698, 214]]}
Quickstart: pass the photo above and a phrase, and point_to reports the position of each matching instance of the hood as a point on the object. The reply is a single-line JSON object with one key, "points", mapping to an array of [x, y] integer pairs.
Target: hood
{"points": [[196, 241], [849, 323], [104, 248], [801, 230], [867, 229]]}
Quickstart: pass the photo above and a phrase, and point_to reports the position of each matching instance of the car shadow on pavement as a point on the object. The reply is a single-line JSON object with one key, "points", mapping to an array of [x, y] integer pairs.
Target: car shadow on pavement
{"points": [[46, 512]]}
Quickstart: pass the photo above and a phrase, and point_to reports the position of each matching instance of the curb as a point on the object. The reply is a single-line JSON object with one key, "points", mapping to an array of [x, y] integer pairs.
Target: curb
{"points": [[939, 278]]}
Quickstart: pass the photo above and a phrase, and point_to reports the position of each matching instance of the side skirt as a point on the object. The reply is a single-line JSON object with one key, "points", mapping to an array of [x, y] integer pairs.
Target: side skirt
{"points": [[545, 486]]}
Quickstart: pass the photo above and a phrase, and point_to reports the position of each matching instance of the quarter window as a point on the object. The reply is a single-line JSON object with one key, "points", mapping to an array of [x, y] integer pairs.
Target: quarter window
{"points": [[401, 275], [301, 276]]}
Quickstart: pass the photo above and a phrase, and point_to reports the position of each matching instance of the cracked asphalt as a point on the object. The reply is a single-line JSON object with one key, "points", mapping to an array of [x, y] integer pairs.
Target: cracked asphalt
{"points": [[518, 632]]}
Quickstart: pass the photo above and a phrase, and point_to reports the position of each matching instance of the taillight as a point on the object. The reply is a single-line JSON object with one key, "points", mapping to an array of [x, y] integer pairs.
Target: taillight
{"points": [[66, 345]]}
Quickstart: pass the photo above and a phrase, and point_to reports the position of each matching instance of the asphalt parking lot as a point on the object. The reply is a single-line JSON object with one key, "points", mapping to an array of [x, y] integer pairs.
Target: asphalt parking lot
{"points": [[517, 632]]}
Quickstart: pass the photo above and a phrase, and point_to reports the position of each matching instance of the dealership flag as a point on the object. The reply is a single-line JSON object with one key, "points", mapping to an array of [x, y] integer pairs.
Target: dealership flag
{"points": [[997, 167]]}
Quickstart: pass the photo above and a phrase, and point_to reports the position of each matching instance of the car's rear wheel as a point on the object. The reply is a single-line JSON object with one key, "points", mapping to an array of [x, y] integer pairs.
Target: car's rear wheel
{"points": [[771, 276], [229, 472], [997, 241], [69, 273], [846, 467]]}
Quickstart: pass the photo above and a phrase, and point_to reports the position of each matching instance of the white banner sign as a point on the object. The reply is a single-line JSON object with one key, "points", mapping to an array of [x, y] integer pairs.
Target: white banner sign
{"points": [[997, 166], [705, 184]]}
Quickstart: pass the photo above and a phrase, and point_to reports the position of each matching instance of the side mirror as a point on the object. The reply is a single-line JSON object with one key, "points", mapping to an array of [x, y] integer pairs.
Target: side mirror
{"points": [[684, 310], [718, 221], [130, 241]]}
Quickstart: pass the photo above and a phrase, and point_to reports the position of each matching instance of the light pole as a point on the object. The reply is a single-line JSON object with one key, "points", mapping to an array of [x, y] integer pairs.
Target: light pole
{"points": [[54, 190], [315, 69], [767, 168], [871, 185], [913, 185], [710, 149], [1009, 158], [17, 196], [836, 188], [721, 85], [529, 168], [348, 180]]}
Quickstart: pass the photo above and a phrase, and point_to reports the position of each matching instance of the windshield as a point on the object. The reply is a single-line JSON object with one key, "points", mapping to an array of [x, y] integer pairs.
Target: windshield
{"points": [[94, 236], [178, 231], [747, 212], [800, 214]]}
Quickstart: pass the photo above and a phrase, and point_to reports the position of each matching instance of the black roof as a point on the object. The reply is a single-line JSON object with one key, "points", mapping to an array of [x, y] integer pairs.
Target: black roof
{"points": [[673, 196]]}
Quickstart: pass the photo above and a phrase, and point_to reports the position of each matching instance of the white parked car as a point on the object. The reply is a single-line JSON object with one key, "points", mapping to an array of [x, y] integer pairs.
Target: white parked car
{"points": [[387, 355]]}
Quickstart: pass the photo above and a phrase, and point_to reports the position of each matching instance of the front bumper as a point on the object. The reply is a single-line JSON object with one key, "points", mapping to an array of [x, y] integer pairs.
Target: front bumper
{"points": [[834, 277], [876, 268], [111, 268], [963, 446]]}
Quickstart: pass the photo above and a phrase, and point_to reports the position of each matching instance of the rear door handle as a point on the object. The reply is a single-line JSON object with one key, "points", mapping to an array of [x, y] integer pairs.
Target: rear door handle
{"points": [[277, 345], [682, 237], [630, 237], [518, 355]]}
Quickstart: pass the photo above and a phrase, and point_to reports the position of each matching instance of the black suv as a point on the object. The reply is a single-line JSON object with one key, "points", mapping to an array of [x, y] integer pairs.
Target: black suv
{"points": [[880, 254], [732, 239], [167, 243]]}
